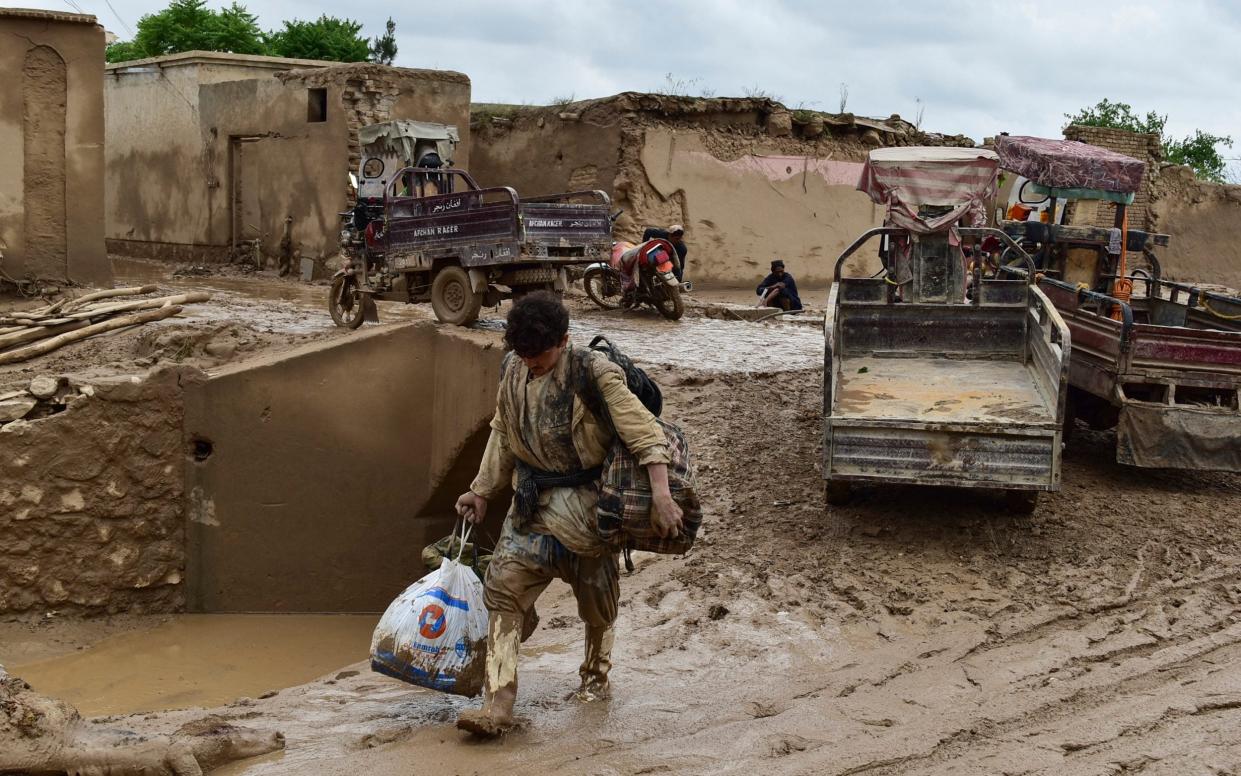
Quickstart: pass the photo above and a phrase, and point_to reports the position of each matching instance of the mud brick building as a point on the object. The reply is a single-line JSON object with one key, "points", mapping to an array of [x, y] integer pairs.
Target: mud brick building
{"points": [[1144, 147], [51, 148], [213, 156]]}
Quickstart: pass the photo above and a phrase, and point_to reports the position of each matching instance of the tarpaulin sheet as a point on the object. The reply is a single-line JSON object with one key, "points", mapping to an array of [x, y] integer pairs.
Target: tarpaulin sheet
{"points": [[1068, 164], [1179, 437], [400, 136], [963, 179]]}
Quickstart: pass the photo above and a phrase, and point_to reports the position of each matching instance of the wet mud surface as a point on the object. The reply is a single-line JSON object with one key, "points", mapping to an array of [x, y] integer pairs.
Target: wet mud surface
{"points": [[915, 631], [199, 660]]}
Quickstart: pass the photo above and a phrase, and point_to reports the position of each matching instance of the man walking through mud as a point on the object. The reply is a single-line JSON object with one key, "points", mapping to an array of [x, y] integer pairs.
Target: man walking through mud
{"points": [[551, 447]]}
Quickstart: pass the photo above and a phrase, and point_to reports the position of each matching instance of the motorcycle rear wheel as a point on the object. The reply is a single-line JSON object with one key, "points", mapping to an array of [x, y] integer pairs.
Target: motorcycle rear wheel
{"points": [[667, 300], [603, 286]]}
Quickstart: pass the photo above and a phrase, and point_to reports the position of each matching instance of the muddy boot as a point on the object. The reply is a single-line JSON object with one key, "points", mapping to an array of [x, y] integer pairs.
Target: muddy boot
{"points": [[500, 691], [598, 662]]}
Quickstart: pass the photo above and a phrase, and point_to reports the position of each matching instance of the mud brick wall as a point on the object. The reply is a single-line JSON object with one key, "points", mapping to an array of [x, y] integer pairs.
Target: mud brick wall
{"points": [[1144, 147], [372, 94], [51, 148], [1203, 222], [749, 179], [91, 502]]}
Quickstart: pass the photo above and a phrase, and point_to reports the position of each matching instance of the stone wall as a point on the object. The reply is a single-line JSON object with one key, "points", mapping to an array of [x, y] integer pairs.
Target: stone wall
{"points": [[1144, 147], [51, 149], [90, 501]]}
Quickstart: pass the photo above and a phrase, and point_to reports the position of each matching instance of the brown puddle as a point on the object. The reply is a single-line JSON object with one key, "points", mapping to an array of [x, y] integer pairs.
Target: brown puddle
{"points": [[201, 660]]}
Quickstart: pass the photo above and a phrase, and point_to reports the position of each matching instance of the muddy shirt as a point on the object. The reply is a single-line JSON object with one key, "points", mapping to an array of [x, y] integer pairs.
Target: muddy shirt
{"points": [[539, 421]]}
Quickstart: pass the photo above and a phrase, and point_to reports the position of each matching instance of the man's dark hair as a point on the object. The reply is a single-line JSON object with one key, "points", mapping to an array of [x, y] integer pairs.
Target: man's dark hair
{"points": [[536, 323], [777, 263]]}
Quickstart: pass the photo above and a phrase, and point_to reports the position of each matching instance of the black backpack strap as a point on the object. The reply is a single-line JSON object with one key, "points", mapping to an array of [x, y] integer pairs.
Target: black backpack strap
{"points": [[585, 387], [640, 384]]}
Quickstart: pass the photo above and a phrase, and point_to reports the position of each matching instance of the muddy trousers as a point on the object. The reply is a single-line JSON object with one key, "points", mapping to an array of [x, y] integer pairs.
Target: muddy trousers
{"points": [[523, 566]]}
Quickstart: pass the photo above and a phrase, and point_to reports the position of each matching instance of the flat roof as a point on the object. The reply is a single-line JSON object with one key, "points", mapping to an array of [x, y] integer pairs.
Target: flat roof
{"points": [[50, 16], [186, 58]]}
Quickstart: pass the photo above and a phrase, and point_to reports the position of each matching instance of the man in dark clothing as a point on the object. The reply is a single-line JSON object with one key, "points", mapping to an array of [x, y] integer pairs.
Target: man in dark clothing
{"points": [[674, 234], [779, 289]]}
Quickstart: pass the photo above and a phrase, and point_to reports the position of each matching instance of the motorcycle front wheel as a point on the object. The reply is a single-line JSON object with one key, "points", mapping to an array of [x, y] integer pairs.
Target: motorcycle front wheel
{"points": [[603, 286], [345, 302], [667, 300]]}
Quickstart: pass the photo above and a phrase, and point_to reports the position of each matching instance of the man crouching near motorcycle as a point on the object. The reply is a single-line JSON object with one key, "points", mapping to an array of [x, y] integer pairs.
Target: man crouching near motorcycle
{"points": [[550, 447]]}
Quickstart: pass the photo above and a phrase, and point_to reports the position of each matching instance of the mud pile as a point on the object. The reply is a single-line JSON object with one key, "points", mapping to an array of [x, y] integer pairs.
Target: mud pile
{"points": [[43, 735]]}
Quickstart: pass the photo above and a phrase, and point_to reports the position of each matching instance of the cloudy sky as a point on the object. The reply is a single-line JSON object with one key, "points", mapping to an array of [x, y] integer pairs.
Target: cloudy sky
{"points": [[973, 67]]}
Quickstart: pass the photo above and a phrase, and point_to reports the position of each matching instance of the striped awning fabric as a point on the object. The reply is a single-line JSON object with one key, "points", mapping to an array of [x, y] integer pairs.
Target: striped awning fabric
{"points": [[905, 178]]}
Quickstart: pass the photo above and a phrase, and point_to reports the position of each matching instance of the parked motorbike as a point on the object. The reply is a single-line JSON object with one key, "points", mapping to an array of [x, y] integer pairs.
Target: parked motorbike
{"points": [[637, 275]]}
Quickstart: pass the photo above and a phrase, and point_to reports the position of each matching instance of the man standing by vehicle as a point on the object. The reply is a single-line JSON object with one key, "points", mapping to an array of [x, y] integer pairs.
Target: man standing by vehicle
{"points": [[779, 289], [551, 448], [675, 234]]}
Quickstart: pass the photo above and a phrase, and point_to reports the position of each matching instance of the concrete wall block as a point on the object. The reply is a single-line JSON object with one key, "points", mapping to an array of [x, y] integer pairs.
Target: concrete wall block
{"points": [[275, 539]]}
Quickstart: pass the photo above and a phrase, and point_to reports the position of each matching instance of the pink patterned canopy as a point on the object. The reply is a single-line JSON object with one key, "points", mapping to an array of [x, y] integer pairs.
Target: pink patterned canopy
{"points": [[1068, 164]]}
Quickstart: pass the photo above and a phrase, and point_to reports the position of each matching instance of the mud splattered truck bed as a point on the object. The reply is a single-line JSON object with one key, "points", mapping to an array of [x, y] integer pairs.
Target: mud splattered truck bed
{"points": [[934, 374]]}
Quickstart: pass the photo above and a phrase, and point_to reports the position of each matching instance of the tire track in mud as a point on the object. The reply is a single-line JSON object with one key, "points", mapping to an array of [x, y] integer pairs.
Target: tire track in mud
{"points": [[1074, 721], [1091, 578]]}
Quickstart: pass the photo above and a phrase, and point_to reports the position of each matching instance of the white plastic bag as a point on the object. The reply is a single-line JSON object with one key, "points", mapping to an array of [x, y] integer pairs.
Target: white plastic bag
{"points": [[435, 633]]}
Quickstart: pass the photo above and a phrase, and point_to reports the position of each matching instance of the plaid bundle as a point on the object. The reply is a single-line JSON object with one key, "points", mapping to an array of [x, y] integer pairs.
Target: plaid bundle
{"points": [[625, 499]]}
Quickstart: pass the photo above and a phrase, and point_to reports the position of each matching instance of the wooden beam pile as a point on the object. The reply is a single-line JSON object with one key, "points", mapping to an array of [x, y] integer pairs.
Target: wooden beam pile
{"points": [[31, 333]]}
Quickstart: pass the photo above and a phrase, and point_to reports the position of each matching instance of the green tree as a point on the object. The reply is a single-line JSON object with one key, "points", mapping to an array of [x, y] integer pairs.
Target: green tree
{"points": [[185, 25], [235, 29], [1200, 151], [189, 25], [122, 51], [326, 38], [383, 49]]}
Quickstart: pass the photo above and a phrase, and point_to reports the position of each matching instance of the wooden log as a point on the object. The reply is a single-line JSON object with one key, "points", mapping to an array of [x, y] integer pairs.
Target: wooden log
{"points": [[141, 304], [32, 333], [52, 343], [24, 323], [73, 304]]}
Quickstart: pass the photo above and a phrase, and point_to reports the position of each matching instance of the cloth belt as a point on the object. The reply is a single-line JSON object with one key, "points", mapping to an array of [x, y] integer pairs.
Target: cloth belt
{"points": [[531, 481]]}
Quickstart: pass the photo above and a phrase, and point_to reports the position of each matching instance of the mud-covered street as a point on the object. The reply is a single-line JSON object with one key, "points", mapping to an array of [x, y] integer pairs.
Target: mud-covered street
{"points": [[903, 407], [917, 630]]}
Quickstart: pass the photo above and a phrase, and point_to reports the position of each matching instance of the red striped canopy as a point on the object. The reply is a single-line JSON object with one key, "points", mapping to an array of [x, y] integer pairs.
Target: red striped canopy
{"points": [[904, 178]]}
